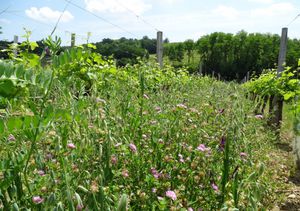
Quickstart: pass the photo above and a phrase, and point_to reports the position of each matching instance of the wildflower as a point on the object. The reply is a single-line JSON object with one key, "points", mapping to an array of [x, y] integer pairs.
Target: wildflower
{"points": [[157, 109], [71, 146], [190, 209], [41, 172], [132, 147], [11, 137], [37, 199], [222, 143], [181, 158], [171, 194], [259, 116], [118, 144], [79, 207], [154, 190], [243, 154], [203, 148], [215, 187], [125, 173], [221, 111], [113, 159], [146, 96], [180, 105], [144, 136], [155, 173]]}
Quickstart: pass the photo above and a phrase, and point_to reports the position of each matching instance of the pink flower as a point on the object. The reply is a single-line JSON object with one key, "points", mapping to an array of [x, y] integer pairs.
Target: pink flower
{"points": [[171, 194], [203, 148], [113, 159], [181, 106], [259, 116], [37, 199], [243, 154], [79, 207], [41, 172], [215, 187], [155, 173], [190, 209], [154, 190], [125, 173], [181, 158], [11, 137], [71, 146], [132, 147], [118, 144]]}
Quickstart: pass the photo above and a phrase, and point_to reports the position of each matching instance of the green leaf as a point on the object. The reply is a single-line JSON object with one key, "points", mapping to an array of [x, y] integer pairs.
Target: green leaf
{"points": [[33, 45], [7, 88], [288, 95]]}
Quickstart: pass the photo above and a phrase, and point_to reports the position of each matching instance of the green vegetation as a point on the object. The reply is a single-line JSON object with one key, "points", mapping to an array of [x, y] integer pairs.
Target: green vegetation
{"points": [[79, 133]]}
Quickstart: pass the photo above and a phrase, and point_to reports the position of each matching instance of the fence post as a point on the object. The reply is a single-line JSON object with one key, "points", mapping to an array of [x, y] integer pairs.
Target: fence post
{"points": [[248, 76], [16, 39], [159, 48], [297, 136], [277, 103], [73, 35]]}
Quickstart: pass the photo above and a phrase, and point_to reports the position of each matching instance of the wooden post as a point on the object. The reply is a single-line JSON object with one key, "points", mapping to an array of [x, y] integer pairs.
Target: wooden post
{"points": [[248, 76], [73, 35], [16, 39], [159, 48], [277, 103]]}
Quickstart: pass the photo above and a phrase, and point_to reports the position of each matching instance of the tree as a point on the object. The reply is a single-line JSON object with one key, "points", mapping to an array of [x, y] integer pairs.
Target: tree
{"points": [[189, 47]]}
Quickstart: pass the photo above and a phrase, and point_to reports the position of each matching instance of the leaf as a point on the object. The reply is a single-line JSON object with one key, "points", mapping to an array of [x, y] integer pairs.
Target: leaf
{"points": [[122, 203], [91, 46], [7, 88], [33, 45], [288, 95]]}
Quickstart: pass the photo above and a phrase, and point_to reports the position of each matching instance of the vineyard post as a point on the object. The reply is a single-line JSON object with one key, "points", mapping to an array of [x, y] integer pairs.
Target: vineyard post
{"points": [[278, 101], [248, 76], [73, 39], [159, 48], [16, 38]]}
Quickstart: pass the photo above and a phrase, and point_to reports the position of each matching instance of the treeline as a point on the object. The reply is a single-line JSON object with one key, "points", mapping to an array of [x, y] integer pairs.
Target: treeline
{"points": [[123, 50], [232, 55], [229, 55]]}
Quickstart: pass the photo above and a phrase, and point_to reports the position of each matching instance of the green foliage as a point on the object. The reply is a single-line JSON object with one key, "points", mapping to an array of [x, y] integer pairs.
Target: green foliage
{"points": [[89, 135]]}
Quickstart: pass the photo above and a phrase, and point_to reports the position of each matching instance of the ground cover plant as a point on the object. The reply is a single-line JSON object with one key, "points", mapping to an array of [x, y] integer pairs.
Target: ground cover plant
{"points": [[77, 133]]}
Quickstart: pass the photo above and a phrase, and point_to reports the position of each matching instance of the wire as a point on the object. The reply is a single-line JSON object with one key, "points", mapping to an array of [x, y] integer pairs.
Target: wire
{"points": [[297, 16], [3, 11], [99, 17], [137, 16], [60, 18]]}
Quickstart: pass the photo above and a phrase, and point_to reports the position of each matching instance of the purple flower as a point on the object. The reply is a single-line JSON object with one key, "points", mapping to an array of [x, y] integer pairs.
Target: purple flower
{"points": [[132, 147], [113, 159], [11, 137], [125, 173], [259, 116], [222, 143], [79, 207], [155, 173], [41, 172], [180, 105], [203, 148], [37, 199], [171, 194], [215, 187], [71, 146], [243, 154]]}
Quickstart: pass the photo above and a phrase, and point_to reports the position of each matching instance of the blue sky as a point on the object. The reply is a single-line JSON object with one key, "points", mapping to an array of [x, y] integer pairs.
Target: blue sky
{"points": [[178, 19]]}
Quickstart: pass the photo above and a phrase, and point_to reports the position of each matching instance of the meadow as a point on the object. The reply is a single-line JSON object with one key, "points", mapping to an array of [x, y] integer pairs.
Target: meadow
{"points": [[78, 133]]}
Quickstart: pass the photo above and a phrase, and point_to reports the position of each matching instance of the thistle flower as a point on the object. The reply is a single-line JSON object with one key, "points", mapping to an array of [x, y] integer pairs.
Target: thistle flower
{"points": [[125, 173], [113, 159], [215, 187], [11, 137], [133, 148], [71, 146], [41, 172], [37, 199], [203, 148], [171, 194], [155, 173]]}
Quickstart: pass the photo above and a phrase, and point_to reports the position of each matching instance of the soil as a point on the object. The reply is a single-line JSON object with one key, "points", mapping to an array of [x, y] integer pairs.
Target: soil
{"points": [[288, 193]]}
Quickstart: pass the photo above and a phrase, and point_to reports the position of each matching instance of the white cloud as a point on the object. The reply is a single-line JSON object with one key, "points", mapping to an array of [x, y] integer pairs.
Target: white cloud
{"points": [[46, 14], [274, 10], [137, 6], [226, 12], [262, 1]]}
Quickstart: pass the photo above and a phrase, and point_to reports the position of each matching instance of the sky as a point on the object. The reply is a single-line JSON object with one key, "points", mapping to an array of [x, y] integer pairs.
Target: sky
{"points": [[177, 19]]}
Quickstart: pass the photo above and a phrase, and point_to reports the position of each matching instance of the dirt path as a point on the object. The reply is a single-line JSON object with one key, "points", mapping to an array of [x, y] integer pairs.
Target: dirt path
{"points": [[288, 193]]}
